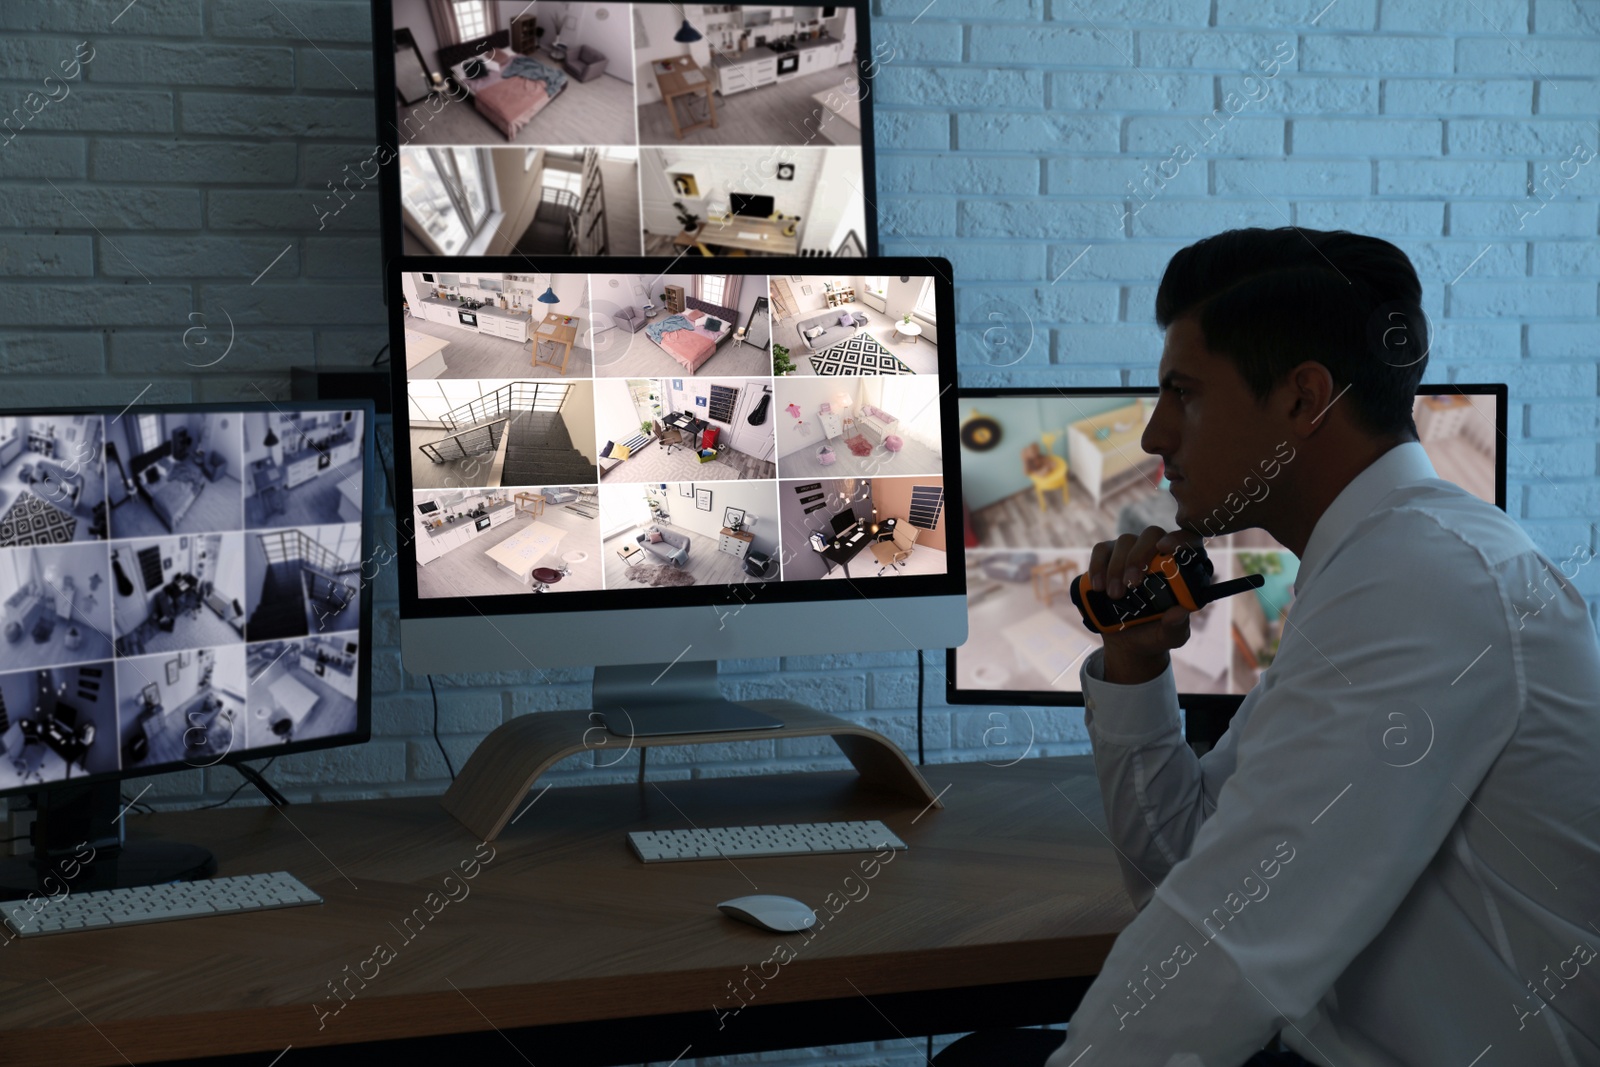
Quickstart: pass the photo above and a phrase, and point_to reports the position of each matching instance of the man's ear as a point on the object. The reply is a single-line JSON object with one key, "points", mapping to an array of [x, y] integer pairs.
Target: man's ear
{"points": [[1313, 392]]}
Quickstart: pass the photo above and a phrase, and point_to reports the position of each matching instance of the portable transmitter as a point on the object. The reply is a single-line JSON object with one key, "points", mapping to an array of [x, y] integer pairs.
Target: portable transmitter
{"points": [[1167, 583]]}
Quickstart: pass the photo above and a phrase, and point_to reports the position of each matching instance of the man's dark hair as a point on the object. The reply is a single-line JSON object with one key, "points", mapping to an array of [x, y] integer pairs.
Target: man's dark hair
{"points": [[1272, 299]]}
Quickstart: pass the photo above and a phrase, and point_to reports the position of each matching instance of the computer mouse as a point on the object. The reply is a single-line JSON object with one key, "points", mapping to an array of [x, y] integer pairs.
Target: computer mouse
{"points": [[781, 915]]}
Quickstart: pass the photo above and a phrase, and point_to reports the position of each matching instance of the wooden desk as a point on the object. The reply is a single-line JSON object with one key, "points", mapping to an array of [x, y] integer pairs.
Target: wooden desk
{"points": [[565, 334], [1005, 903], [769, 236], [672, 85]]}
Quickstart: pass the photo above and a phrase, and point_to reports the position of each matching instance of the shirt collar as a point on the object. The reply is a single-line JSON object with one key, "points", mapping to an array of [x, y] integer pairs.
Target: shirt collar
{"points": [[1404, 464]]}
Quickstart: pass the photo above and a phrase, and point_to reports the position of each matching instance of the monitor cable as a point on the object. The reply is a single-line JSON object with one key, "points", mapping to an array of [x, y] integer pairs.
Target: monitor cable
{"points": [[436, 740], [922, 757], [253, 777], [379, 356]]}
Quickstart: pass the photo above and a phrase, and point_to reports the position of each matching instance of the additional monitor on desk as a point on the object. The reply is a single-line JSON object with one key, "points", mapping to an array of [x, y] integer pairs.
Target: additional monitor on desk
{"points": [[1046, 474], [606, 129], [182, 586], [757, 207], [569, 508]]}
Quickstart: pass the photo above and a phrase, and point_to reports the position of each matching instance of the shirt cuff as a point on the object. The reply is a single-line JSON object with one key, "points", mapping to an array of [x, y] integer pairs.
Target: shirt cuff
{"points": [[1129, 714]]}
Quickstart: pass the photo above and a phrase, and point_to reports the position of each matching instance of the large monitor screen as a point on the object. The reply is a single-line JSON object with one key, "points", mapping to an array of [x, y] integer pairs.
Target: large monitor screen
{"points": [[618, 129], [180, 586], [635, 439], [1048, 474]]}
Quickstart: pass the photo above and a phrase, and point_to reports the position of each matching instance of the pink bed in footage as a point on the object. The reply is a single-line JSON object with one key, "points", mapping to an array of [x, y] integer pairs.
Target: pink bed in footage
{"points": [[693, 347], [509, 103]]}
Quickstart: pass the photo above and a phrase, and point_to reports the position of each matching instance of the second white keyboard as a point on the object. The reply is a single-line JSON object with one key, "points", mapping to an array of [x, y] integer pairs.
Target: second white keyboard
{"points": [[101, 909], [778, 839]]}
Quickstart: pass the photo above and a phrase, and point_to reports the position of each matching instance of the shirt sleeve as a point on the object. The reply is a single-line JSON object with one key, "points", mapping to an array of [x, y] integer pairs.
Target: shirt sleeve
{"points": [[1392, 694], [1151, 783]]}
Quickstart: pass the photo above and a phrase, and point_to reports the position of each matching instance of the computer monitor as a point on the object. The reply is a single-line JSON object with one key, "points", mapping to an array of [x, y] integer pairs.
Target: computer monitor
{"points": [[844, 520], [181, 586], [745, 204], [614, 129], [1048, 473], [569, 474]]}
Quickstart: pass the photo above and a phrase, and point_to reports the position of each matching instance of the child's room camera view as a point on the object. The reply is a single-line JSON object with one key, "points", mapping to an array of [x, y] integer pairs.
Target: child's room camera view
{"points": [[1046, 478], [838, 426]]}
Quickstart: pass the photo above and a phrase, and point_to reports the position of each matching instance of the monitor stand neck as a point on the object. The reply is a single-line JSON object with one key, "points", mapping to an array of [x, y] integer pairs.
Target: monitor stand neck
{"points": [[663, 699], [79, 844]]}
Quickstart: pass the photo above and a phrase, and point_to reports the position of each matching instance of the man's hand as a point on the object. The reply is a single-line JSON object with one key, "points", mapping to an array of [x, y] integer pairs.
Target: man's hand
{"points": [[1136, 654]]}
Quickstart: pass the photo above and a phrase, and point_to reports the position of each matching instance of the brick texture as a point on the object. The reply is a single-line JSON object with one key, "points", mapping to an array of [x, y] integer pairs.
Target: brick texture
{"points": [[198, 142]]}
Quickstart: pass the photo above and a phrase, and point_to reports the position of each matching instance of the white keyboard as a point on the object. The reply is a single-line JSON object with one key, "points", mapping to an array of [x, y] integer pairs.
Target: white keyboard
{"points": [[104, 908], [782, 839], [748, 236]]}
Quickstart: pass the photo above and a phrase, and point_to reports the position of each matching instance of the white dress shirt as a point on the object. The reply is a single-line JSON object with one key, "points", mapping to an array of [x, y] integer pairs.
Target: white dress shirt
{"points": [[1393, 854]]}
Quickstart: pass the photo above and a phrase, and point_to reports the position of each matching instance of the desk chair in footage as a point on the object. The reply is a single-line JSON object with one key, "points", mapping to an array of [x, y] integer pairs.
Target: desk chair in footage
{"points": [[893, 553]]}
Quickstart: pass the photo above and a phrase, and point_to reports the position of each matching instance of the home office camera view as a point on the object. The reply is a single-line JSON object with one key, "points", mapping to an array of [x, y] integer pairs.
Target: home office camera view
{"points": [[611, 129], [177, 587], [1045, 478], [580, 432]]}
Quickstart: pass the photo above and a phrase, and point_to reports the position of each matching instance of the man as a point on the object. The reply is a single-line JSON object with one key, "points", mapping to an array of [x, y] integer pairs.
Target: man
{"points": [[1393, 854]]}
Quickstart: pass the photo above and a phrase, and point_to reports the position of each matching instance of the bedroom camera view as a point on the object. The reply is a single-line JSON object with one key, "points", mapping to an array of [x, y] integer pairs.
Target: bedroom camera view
{"points": [[612, 129], [1046, 478], [699, 454], [226, 541], [668, 324]]}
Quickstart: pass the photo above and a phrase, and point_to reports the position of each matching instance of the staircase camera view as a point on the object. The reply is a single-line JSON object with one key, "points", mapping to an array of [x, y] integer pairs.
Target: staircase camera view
{"points": [[177, 586], [693, 447], [603, 129]]}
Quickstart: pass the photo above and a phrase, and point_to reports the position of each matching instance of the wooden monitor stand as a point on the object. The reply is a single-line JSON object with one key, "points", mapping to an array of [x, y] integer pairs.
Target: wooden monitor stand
{"points": [[500, 772]]}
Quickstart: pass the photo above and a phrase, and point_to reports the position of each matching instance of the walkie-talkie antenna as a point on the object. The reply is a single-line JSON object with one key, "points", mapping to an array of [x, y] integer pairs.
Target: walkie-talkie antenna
{"points": [[1206, 594]]}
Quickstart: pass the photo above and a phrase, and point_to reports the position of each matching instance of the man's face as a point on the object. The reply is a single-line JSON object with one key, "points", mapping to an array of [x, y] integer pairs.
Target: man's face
{"points": [[1212, 434]]}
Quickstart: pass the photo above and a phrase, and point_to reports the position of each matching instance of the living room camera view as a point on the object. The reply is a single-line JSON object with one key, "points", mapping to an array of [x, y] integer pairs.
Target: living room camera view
{"points": [[606, 129], [497, 325], [838, 324], [52, 480], [1047, 478], [234, 539]]}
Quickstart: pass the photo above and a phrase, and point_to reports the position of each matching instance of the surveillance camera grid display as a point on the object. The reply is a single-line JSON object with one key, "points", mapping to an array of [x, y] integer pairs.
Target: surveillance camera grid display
{"points": [[1047, 478], [177, 587], [627, 130], [580, 432]]}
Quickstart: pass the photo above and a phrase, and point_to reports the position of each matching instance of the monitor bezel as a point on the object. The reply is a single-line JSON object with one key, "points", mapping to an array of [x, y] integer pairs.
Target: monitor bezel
{"points": [[387, 149], [370, 499], [413, 606], [1205, 704]]}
